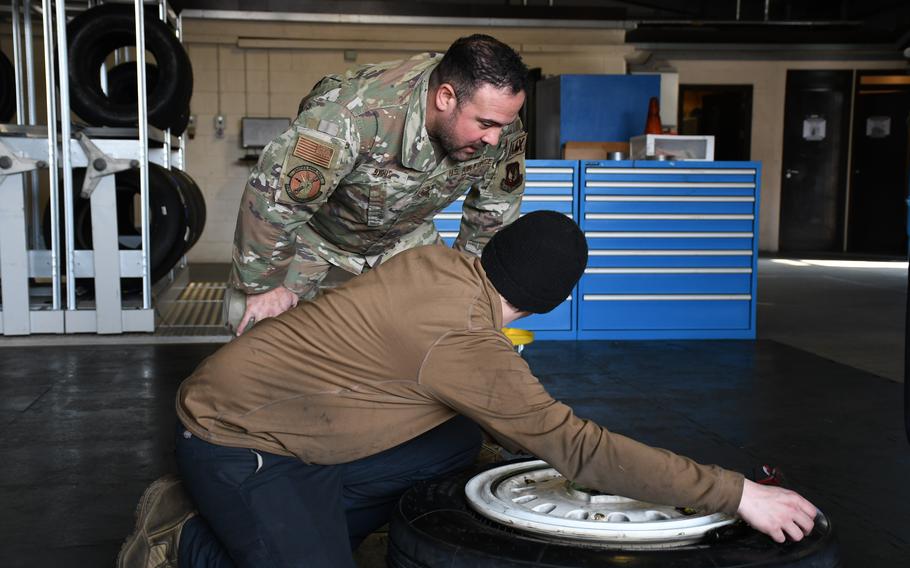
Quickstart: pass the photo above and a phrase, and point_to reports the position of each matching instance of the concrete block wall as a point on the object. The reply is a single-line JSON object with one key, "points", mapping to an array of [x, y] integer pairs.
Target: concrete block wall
{"points": [[262, 69]]}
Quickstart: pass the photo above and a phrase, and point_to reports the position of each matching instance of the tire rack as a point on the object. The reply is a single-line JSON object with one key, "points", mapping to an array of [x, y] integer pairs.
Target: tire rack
{"points": [[27, 147]]}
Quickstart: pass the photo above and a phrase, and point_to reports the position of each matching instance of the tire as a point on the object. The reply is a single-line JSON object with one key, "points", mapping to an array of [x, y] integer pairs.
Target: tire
{"points": [[121, 89], [195, 203], [7, 89], [121, 82], [96, 33], [167, 218], [433, 526]]}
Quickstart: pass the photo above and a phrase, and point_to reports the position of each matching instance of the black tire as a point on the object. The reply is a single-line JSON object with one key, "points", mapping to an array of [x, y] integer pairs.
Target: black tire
{"points": [[433, 526], [184, 236], [195, 203], [7, 89], [121, 89], [96, 33], [167, 218], [121, 82], [181, 121]]}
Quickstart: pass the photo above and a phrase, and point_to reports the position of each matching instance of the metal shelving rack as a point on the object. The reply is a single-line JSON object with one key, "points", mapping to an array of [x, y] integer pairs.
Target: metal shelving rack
{"points": [[37, 283]]}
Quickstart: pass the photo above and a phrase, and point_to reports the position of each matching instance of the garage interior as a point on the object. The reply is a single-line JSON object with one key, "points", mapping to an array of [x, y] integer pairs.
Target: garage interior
{"points": [[88, 418]]}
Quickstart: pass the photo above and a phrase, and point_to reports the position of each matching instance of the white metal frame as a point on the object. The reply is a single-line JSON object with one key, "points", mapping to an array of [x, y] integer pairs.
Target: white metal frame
{"points": [[27, 148]]}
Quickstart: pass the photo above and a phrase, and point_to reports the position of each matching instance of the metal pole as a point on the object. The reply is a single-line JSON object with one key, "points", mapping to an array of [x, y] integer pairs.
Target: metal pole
{"points": [[50, 80], [143, 153], [181, 140], [35, 200], [17, 65], [30, 205], [29, 63], [162, 15], [66, 138]]}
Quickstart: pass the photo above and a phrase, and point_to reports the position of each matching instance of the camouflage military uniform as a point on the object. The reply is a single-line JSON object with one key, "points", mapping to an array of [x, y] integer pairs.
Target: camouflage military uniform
{"points": [[355, 179]]}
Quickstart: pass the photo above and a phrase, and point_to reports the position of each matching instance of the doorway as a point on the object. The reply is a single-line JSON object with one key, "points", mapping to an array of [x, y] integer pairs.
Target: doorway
{"points": [[879, 170], [813, 176], [724, 111]]}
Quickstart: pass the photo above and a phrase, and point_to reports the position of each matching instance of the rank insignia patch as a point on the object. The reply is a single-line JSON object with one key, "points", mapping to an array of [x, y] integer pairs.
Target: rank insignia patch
{"points": [[304, 184], [314, 151], [513, 177]]}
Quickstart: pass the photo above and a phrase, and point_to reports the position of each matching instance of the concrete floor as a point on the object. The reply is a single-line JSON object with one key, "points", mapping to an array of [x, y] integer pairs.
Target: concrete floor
{"points": [[86, 427], [848, 311]]}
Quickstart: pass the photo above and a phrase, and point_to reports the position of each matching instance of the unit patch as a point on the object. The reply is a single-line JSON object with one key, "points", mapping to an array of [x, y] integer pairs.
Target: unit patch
{"points": [[304, 184], [513, 177], [313, 151], [517, 146]]}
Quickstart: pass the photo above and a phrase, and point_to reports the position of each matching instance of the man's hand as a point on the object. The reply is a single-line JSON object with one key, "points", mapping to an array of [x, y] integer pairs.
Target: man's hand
{"points": [[266, 305], [777, 512]]}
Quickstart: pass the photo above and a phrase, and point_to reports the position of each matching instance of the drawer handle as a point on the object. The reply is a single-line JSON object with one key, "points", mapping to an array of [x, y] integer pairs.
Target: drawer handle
{"points": [[670, 297], [668, 271]]}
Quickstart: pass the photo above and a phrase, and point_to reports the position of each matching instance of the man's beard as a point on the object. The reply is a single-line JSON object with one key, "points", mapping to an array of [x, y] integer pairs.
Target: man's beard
{"points": [[446, 140]]}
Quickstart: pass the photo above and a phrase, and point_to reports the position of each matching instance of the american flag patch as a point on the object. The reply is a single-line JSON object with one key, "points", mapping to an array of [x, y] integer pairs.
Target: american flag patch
{"points": [[315, 152]]}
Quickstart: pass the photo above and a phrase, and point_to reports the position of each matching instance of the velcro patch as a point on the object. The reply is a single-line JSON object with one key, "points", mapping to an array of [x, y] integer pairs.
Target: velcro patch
{"points": [[517, 146], [476, 168], [304, 184], [313, 151], [513, 177]]}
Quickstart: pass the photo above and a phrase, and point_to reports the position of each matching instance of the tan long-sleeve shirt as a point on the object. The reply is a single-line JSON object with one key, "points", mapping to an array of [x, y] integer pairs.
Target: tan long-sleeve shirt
{"points": [[397, 352]]}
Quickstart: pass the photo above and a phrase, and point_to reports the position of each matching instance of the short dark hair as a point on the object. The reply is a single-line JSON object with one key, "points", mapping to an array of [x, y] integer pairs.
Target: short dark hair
{"points": [[480, 59]]}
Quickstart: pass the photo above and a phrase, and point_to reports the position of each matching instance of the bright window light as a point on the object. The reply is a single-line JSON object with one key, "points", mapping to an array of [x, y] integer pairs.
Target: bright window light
{"points": [[789, 262], [895, 264]]}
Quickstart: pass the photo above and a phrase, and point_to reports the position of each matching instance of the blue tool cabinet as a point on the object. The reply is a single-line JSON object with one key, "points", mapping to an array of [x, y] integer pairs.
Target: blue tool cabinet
{"points": [[673, 247], [673, 250], [549, 184]]}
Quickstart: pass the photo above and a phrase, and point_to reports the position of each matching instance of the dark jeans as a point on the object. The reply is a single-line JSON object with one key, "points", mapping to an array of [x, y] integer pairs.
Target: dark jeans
{"points": [[260, 510]]}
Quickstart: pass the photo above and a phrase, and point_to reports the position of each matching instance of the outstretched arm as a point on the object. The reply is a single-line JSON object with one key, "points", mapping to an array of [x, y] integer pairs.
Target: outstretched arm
{"points": [[777, 512]]}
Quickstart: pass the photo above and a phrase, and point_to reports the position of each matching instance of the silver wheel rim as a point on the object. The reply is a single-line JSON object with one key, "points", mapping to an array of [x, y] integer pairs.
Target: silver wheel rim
{"points": [[534, 497]]}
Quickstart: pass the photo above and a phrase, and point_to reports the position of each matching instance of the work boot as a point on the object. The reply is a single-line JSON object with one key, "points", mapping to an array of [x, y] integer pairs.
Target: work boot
{"points": [[162, 511]]}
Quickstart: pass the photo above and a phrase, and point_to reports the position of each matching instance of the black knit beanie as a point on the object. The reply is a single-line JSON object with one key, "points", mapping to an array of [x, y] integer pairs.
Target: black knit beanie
{"points": [[535, 262]]}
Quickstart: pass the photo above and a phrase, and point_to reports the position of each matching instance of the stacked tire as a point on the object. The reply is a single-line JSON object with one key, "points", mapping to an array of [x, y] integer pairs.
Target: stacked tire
{"points": [[177, 216], [96, 33], [7, 89]]}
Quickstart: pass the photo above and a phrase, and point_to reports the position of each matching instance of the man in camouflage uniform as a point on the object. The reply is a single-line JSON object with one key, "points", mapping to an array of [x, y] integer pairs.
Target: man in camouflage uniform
{"points": [[372, 157]]}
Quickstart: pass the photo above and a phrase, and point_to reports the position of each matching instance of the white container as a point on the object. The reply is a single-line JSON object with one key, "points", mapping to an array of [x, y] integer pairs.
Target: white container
{"points": [[672, 147]]}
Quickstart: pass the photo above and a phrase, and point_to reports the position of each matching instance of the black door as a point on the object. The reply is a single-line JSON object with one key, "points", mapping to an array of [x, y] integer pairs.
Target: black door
{"points": [[878, 188], [813, 180], [724, 111]]}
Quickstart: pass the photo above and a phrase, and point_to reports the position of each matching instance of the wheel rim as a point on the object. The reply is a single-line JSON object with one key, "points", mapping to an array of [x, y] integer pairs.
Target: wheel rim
{"points": [[534, 497]]}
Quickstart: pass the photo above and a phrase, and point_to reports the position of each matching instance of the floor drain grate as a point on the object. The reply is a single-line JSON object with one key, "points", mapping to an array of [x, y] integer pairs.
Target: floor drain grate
{"points": [[196, 311]]}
